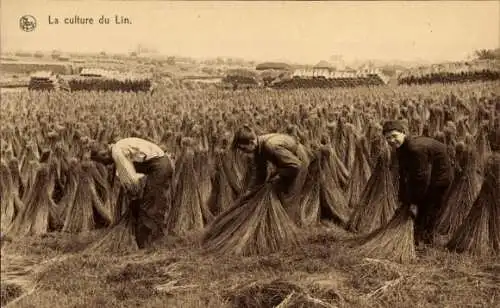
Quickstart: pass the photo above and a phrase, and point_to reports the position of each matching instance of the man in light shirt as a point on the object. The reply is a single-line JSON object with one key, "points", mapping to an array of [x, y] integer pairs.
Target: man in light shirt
{"points": [[145, 172]]}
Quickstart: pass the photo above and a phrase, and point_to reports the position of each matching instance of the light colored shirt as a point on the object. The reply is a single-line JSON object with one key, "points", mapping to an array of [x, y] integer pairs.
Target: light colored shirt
{"points": [[129, 150]]}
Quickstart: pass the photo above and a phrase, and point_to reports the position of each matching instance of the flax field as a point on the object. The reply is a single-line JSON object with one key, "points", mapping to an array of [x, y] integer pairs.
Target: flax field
{"points": [[66, 238]]}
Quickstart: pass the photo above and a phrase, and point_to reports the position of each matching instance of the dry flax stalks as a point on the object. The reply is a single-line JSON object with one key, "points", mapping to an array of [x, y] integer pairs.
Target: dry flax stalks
{"points": [[87, 210], [479, 233], [333, 204], [120, 238], [40, 214], [29, 157], [378, 201], [28, 178], [187, 211], [59, 161], [223, 192], [237, 167], [100, 176], [203, 167], [394, 241], [256, 224], [17, 185], [463, 192], [351, 142], [303, 300], [258, 294], [360, 174], [309, 199], [10, 202], [387, 285], [65, 204], [341, 171]]}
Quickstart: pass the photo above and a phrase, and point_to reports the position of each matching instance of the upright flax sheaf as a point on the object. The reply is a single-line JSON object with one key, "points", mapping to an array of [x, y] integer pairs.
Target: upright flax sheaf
{"points": [[40, 213], [187, 211], [463, 192], [87, 211], [479, 233], [360, 173], [225, 186], [309, 199], [10, 203], [256, 224], [333, 203], [378, 201]]}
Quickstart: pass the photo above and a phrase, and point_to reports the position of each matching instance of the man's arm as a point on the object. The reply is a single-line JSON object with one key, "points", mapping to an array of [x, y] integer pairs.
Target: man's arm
{"points": [[125, 169], [287, 163]]}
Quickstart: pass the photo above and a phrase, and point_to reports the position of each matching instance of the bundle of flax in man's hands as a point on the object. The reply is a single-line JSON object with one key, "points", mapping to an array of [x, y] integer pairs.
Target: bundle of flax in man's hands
{"points": [[136, 188]]}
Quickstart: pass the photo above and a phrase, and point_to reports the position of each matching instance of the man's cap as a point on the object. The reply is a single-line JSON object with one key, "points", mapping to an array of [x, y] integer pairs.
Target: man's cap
{"points": [[393, 125], [244, 135]]}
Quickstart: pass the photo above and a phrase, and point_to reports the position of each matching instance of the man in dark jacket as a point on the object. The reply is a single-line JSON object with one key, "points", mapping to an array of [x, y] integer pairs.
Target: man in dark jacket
{"points": [[425, 175], [289, 157]]}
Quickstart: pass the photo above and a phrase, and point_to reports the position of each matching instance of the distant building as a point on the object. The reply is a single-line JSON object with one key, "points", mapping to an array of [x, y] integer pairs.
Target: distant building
{"points": [[337, 61], [329, 72], [93, 72]]}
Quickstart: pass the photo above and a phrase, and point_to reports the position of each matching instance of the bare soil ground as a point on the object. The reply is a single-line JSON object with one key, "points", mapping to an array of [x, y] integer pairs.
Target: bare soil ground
{"points": [[54, 271]]}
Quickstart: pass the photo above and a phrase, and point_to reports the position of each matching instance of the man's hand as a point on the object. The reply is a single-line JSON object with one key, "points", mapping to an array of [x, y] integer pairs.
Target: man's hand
{"points": [[136, 186], [275, 176], [413, 211]]}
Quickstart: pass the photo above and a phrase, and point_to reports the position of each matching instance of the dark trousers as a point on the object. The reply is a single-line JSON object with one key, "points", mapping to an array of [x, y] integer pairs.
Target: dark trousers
{"points": [[428, 210], [149, 210]]}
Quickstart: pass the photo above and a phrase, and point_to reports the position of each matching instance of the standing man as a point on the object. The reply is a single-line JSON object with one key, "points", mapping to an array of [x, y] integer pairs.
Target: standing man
{"points": [[145, 172], [290, 158], [425, 175]]}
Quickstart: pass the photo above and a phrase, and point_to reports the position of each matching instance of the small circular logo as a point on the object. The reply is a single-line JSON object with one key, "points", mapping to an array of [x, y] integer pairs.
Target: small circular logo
{"points": [[27, 23]]}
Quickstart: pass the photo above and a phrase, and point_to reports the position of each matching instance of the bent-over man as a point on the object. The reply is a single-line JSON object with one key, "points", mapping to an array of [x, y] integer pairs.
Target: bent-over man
{"points": [[290, 158], [425, 175], [145, 172]]}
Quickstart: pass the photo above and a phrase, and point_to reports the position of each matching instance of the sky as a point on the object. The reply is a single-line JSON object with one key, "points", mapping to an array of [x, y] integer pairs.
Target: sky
{"points": [[303, 32]]}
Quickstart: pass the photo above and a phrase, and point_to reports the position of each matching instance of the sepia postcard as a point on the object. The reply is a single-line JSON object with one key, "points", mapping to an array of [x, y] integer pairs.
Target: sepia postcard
{"points": [[249, 154]]}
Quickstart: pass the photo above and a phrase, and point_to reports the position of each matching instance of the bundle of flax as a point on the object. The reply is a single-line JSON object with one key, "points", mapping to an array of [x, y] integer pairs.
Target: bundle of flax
{"points": [[333, 204], [10, 202], [309, 199], [187, 212], [378, 201], [119, 239], [203, 168], [394, 241], [87, 210], [463, 192], [256, 224], [40, 211], [479, 233], [223, 191], [360, 173]]}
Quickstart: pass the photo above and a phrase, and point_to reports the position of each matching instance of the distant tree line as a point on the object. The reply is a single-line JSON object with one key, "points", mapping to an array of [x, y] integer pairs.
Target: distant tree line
{"points": [[451, 77], [487, 54]]}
